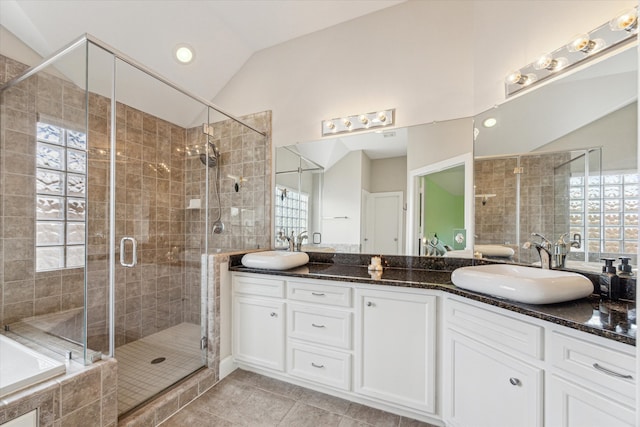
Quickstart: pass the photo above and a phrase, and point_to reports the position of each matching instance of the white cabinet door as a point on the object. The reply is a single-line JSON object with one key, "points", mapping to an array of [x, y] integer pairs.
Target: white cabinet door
{"points": [[572, 405], [491, 389], [395, 347], [259, 332]]}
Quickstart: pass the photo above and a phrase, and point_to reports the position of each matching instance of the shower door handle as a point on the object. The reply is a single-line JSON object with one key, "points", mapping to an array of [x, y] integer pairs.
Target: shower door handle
{"points": [[134, 255]]}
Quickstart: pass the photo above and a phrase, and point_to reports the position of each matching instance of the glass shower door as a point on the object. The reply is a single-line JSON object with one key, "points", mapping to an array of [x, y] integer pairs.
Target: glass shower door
{"points": [[158, 277]]}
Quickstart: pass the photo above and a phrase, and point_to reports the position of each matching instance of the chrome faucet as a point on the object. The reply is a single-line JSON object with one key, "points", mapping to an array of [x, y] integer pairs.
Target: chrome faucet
{"points": [[301, 237], [544, 250], [554, 254], [294, 242], [562, 247], [282, 236]]}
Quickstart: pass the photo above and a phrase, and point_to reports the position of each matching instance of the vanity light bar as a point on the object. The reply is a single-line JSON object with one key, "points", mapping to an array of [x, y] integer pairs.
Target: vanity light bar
{"points": [[359, 122], [584, 47]]}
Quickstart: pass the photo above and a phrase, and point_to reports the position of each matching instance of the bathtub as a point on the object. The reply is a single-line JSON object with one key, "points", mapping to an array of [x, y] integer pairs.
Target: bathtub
{"points": [[21, 367]]}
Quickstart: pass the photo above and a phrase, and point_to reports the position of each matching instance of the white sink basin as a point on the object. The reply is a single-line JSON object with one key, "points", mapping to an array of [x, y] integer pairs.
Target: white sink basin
{"points": [[523, 284], [275, 260]]}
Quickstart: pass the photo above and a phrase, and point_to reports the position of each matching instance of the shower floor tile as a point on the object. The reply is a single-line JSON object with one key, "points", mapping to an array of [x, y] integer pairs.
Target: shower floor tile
{"points": [[139, 379]]}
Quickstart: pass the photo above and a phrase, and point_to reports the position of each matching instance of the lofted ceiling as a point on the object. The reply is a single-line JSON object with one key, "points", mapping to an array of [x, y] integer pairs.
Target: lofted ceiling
{"points": [[223, 33]]}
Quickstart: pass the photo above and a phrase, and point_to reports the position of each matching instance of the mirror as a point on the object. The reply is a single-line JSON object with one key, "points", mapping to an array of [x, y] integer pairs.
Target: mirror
{"points": [[562, 158], [350, 192]]}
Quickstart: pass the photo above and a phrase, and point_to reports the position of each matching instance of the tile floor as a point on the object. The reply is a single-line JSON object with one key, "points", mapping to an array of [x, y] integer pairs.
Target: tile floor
{"points": [[248, 399], [139, 379]]}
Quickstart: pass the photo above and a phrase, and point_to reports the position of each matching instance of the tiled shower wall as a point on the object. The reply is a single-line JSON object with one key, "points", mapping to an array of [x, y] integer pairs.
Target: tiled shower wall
{"points": [[24, 292], [155, 182], [245, 213], [543, 207]]}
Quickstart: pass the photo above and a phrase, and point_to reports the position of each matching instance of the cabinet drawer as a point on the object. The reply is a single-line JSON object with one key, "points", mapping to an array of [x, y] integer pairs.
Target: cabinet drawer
{"points": [[327, 367], [601, 366], [262, 286], [319, 293], [320, 325], [499, 330]]}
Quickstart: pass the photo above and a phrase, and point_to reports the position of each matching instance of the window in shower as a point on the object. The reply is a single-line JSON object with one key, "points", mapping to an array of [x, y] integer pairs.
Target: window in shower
{"points": [[61, 181], [291, 211], [609, 214]]}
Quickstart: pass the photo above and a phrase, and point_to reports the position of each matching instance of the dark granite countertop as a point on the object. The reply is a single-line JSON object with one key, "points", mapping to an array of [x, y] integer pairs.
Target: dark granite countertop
{"points": [[613, 320]]}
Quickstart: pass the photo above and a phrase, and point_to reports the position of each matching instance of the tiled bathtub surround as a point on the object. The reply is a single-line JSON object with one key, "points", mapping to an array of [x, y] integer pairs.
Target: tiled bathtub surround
{"points": [[85, 396]]}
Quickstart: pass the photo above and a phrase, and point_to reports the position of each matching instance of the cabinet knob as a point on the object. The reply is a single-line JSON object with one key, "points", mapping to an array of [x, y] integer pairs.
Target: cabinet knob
{"points": [[369, 304], [273, 314], [515, 381]]}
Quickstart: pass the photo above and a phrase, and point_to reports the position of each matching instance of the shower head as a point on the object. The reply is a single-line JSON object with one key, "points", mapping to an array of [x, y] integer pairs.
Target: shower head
{"points": [[211, 158]]}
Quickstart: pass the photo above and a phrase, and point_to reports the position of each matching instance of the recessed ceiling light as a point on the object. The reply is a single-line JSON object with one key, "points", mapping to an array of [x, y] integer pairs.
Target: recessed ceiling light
{"points": [[490, 122], [184, 53]]}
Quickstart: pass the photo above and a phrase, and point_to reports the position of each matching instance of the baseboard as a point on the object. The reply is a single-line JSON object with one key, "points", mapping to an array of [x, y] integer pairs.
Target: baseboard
{"points": [[227, 366]]}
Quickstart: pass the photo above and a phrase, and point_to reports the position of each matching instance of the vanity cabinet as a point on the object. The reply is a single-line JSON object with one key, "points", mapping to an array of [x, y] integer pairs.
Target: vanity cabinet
{"points": [[319, 332], [589, 384], [430, 355], [396, 347], [493, 375], [259, 322]]}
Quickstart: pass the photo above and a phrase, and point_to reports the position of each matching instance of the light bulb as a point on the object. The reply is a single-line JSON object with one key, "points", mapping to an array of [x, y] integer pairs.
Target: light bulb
{"points": [[580, 43], [184, 53], [331, 125], [382, 117], [583, 43], [548, 62], [628, 21], [363, 119], [347, 123], [518, 78], [513, 77], [490, 122]]}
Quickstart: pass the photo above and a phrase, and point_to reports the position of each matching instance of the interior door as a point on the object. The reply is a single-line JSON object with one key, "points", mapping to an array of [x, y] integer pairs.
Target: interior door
{"points": [[384, 222]]}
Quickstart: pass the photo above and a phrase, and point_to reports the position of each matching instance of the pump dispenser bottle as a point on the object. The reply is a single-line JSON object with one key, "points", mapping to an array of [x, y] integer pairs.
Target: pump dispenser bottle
{"points": [[627, 279], [609, 282]]}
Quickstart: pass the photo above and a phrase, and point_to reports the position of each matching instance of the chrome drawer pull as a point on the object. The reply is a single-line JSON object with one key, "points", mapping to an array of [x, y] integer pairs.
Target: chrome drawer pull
{"points": [[318, 326], [317, 294], [612, 373], [515, 381], [316, 366]]}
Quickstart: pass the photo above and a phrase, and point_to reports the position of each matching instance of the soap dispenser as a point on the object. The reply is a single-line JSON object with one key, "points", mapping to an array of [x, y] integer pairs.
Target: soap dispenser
{"points": [[624, 268], [627, 281], [609, 282]]}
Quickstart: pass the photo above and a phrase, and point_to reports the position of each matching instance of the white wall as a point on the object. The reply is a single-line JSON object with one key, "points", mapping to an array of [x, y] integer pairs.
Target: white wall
{"points": [[398, 57], [436, 142], [341, 183], [508, 34], [389, 175], [432, 60]]}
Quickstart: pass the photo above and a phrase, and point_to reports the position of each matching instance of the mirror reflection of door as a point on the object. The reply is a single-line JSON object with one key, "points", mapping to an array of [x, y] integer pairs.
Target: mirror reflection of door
{"points": [[382, 216], [443, 209]]}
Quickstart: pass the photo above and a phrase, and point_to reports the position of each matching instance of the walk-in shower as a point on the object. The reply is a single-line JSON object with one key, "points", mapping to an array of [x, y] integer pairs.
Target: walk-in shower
{"points": [[105, 211]]}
